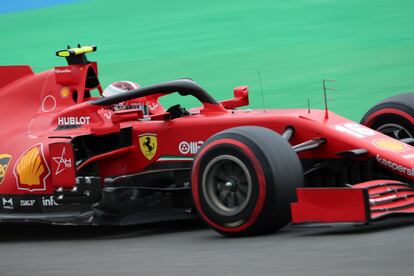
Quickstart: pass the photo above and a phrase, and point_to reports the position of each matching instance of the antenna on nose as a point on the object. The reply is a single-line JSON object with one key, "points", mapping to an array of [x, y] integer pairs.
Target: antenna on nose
{"points": [[324, 96], [261, 89]]}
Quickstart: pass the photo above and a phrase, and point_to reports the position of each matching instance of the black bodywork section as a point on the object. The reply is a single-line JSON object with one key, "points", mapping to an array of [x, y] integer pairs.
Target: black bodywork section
{"points": [[90, 145]]}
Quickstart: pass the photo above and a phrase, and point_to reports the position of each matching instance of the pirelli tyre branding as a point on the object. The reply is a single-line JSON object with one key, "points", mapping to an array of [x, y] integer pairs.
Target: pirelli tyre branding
{"points": [[31, 170], [148, 144], [4, 165]]}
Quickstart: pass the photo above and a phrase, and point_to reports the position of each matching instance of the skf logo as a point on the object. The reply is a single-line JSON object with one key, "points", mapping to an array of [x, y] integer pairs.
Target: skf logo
{"points": [[4, 164], [27, 202], [31, 170], [148, 144]]}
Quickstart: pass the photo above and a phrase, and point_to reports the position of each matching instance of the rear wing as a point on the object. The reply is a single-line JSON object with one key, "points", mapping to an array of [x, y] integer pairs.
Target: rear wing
{"points": [[9, 74], [74, 56]]}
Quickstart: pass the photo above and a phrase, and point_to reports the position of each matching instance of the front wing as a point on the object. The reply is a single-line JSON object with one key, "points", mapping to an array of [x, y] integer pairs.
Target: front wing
{"points": [[356, 204]]}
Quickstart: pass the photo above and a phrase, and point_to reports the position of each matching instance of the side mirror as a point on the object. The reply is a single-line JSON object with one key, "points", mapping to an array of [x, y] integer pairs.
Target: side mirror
{"points": [[241, 98], [241, 92], [127, 115]]}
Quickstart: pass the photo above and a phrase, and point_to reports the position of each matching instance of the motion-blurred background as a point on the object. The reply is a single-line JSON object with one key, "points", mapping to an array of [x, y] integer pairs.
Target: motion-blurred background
{"points": [[367, 46]]}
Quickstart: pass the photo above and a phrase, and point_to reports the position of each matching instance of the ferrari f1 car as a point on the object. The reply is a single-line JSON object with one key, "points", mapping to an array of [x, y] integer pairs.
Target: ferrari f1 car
{"points": [[68, 157]]}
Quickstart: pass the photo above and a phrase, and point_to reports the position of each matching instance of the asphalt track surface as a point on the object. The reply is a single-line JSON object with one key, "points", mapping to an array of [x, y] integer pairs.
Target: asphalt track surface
{"points": [[188, 248]]}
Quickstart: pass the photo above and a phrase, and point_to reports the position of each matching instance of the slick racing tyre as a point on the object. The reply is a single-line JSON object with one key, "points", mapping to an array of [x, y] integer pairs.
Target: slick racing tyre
{"points": [[393, 116], [244, 179]]}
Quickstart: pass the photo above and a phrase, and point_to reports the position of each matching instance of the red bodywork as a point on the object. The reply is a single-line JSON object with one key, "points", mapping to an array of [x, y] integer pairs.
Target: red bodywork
{"points": [[43, 115]]}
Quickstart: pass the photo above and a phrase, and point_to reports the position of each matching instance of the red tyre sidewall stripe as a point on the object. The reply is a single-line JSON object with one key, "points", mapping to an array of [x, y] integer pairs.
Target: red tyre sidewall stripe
{"points": [[384, 111], [261, 179]]}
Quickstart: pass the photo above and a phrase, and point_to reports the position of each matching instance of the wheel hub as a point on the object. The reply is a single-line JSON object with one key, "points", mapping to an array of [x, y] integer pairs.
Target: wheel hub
{"points": [[230, 185], [227, 185], [395, 131]]}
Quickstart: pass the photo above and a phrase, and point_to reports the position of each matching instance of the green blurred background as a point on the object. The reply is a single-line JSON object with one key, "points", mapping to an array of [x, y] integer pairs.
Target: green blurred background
{"points": [[367, 46]]}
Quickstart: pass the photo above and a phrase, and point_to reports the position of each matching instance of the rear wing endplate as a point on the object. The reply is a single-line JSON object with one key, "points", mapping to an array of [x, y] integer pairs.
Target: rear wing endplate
{"points": [[9, 74]]}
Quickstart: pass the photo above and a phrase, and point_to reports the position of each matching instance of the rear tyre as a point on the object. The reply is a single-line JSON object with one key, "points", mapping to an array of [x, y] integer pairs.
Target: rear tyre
{"points": [[393, 116], [244, 179]]}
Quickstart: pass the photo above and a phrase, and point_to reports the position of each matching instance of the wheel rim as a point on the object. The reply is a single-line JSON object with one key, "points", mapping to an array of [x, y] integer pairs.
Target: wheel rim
{"points": [[395, 131], [227, 185]]}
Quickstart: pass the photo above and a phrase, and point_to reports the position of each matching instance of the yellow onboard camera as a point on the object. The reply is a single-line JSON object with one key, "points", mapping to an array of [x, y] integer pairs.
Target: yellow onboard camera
{"points": [[76, 51], [76, 55]]}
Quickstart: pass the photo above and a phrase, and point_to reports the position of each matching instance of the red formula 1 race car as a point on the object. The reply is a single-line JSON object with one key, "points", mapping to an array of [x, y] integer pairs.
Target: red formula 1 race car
{"points": [[72, 158]]}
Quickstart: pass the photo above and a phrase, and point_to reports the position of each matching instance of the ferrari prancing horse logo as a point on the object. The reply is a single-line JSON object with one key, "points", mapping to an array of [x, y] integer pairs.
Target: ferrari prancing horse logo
{"points": [[148, 145]]}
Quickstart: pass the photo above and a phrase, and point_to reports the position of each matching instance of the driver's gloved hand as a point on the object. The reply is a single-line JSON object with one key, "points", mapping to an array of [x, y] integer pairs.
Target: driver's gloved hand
{"points": [[177, 111]]}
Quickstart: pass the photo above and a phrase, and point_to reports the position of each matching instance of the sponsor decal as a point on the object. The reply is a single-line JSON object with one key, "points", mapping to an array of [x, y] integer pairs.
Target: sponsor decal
{"points": [[7, 203], [73, 121], [175, 158], [108, 115], [49, 201], [189, 147], [394, 166], [62, 162], [380, 199], [63, 71], [153, 106], [148, 144], [31, 170], [4, 164], [64, 92], [356, 130], [27, 202], [389, 145], [48, 103], [408, 156]]}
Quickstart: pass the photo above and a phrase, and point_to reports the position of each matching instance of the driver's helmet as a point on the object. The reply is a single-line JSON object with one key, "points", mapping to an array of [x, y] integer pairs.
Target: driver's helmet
{"points": [[119, 87], [122, 87]]}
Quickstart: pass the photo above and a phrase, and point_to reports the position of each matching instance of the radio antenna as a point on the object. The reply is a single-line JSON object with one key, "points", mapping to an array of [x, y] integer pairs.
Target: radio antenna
{"points": [[324, 96], [308, 106], [261, 89]]}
